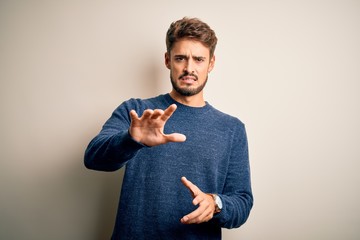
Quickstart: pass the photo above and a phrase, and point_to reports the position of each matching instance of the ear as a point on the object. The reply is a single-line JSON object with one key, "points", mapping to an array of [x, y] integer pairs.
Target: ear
{"points": [[167, 60], [211, 64]]}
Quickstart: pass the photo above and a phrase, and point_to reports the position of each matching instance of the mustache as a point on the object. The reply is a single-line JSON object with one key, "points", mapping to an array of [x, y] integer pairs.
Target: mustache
{"points": [[186, 74]]}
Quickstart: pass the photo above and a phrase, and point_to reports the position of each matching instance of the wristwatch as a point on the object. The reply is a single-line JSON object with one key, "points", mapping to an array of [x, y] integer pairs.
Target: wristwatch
{"points": [[218, 203]]}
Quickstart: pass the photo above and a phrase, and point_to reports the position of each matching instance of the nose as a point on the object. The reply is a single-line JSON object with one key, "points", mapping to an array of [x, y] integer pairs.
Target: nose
{"points": [[189, 67]]}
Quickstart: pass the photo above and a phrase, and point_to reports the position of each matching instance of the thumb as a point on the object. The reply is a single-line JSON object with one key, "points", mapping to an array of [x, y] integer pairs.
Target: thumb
{"points": [[175, 137]]}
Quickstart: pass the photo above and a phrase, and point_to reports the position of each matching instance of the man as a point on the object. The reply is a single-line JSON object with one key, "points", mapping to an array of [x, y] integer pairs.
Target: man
{"points": [[180, 144]]}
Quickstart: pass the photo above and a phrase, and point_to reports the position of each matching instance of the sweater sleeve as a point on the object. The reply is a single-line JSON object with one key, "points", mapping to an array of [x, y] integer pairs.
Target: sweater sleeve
{"points": [[113, 146], [237, 195]]}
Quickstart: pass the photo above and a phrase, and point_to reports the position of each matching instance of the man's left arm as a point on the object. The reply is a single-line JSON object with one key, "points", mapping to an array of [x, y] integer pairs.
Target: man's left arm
{"points": [[236, 198]]}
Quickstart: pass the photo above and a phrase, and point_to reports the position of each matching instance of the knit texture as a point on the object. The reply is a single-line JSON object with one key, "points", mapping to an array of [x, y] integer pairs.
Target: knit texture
{"points": [[153, 200]]}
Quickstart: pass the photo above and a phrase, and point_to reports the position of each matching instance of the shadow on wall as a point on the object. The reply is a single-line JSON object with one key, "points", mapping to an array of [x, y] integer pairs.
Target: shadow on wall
{"points": [[88, 198], [108, 204], [152, 77]]}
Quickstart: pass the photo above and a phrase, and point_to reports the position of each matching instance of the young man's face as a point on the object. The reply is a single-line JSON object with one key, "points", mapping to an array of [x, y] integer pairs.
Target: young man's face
{"points": [[189, 63]]}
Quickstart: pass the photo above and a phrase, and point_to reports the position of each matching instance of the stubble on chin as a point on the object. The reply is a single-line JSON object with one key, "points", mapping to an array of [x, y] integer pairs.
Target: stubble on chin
{"points": [[187, 91]]}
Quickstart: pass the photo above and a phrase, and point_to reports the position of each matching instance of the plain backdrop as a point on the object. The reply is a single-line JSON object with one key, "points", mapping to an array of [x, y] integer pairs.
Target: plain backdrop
{"points": [[290, 70]]}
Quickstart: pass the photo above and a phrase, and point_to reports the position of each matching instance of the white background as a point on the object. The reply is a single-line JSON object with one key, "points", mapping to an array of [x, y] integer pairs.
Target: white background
{"points": [[290, 70]]}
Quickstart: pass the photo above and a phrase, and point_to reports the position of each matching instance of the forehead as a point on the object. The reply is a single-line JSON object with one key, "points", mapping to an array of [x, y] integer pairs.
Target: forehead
{"points": [[190, 47]]}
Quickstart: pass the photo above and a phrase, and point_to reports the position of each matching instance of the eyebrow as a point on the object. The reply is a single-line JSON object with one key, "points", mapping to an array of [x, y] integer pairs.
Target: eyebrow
{"points": [[185, 56]]}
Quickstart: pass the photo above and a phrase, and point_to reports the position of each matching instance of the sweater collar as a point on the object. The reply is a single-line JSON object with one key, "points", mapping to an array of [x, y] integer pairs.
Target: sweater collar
{"points": [[184, 107]]}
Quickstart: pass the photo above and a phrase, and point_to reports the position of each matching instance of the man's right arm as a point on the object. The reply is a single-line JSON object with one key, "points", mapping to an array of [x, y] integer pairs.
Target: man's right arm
{"points": [[125, 133], [113, 146]]}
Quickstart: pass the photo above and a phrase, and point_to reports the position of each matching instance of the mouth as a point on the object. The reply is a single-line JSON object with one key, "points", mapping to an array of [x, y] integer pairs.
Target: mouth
{"points": [[188, 78]]}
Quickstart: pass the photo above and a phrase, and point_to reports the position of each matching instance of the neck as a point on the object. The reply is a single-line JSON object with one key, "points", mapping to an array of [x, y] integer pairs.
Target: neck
{"points": [[191, 101]]}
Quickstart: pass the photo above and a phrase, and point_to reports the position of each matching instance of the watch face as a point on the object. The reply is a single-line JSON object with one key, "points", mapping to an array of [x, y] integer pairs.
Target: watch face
{"points": [[218, 202]]}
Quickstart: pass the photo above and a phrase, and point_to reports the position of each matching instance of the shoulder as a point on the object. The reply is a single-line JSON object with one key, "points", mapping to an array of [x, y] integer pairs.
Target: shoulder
{"points": [[226, 119], [224, 124], [140, 104]]}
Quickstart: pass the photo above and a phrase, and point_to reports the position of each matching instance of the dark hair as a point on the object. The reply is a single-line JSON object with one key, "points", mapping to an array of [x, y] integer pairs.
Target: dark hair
{"points": [[191, 28]]}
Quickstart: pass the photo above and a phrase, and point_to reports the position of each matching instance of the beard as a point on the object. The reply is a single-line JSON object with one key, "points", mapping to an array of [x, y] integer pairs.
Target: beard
{"points": [[187, 91]]}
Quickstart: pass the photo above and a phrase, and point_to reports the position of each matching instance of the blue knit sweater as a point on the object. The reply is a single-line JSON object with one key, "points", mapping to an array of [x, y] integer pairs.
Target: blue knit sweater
{"points": [[153, 200]]}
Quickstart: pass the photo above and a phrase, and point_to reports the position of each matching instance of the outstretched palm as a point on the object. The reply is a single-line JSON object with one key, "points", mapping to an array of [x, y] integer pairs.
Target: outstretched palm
{"points": [[149, 128]]}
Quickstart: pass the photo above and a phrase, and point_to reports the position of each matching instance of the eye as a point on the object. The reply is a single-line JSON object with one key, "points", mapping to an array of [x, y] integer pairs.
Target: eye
{"points": [[179, 58], [199, 59]]}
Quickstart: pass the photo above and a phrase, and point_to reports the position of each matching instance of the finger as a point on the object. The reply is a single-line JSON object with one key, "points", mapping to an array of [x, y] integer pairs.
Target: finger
{"points": [[192, 187], [197, 216], [168, 112], [190, 218], [133, 115], [198, 219], [175, 137], [198, 199], [157, 113], [147, 113]]}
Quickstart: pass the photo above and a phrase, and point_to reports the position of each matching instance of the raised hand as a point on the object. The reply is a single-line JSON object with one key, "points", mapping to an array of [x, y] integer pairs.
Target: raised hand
{"points": [[205, 202], [149, 128]]}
